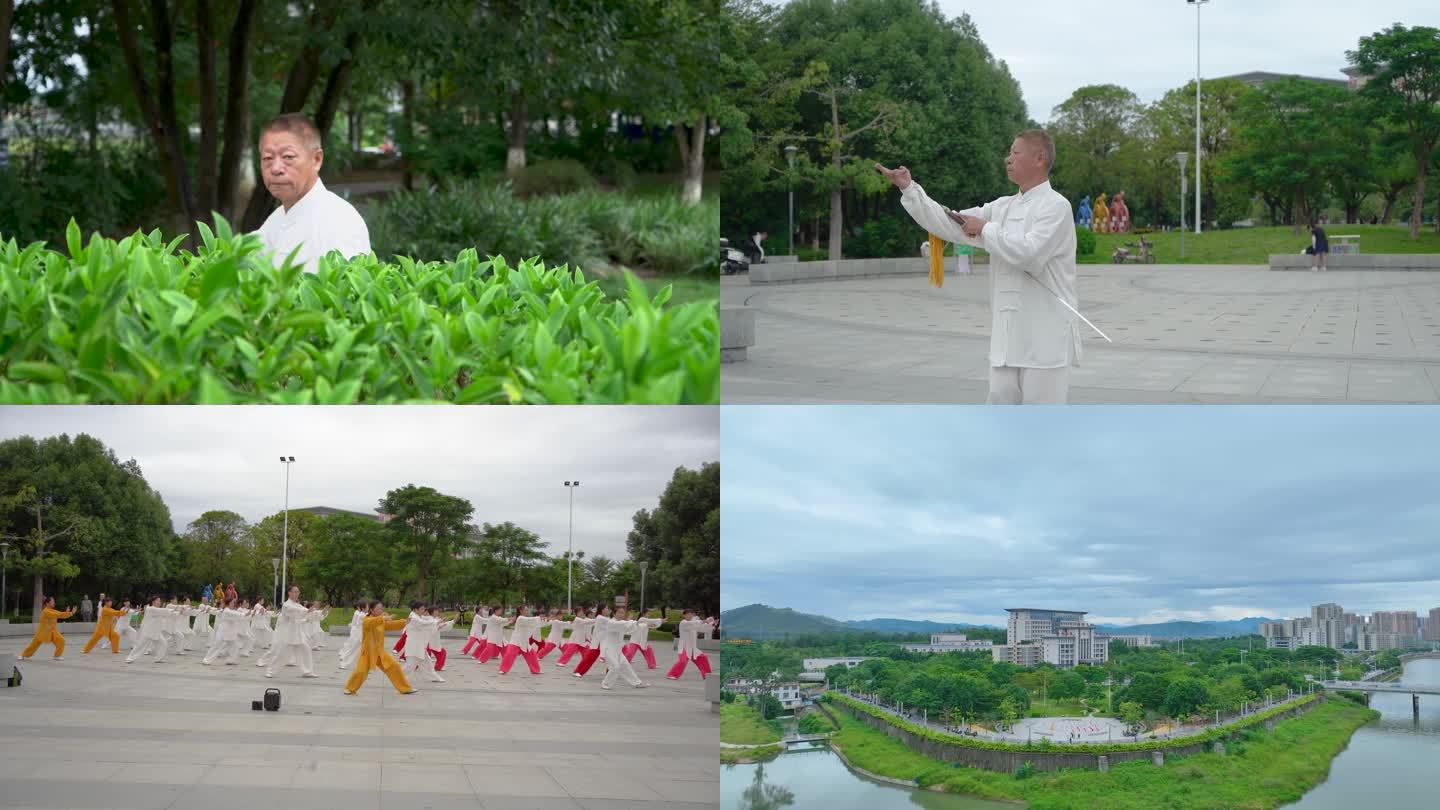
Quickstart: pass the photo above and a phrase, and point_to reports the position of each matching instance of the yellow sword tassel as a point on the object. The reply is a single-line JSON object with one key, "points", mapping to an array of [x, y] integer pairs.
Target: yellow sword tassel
{"points": [[937, 261]]}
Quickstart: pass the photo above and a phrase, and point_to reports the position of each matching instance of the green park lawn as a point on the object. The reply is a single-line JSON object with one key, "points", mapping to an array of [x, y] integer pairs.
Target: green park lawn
{"points": [[742, 725], [1259, 771], [1255, 245]]}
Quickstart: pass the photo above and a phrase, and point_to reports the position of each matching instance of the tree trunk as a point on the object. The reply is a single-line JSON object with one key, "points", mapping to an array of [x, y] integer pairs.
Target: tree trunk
{"points": [[7, 16], [407, 116], [515, 155], [692, 155], [159, 120], [1415, 216], [209, 112], [162, 34], [237, 130]]}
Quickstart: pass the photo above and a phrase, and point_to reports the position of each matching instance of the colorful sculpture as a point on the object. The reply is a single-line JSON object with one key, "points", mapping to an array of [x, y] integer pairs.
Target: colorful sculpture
{"points": [[1123, 212], [230, 592], [1102, 214], [219, 593], [205, 594], [1082, 217]]}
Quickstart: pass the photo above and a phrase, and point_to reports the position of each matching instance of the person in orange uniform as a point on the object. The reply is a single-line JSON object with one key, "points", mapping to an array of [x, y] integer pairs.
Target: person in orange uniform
{"points": [[373, 652], [105, 628], [48, 631]]}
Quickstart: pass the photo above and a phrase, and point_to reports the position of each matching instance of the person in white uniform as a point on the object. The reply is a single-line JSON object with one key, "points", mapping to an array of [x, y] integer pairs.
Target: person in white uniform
{"points": [[290, 637], [556, 637], [579, 640], [261, 634], [125, 626], [640, 640], [310, 217], [350, 650], [1034, 338], [420, 632], [477, 629], [154, 632], [612, 633], [228, 639], [522, 642], [493, 643]]}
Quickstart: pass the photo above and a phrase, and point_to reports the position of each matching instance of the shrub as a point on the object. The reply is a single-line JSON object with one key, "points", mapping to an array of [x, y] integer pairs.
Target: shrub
{"points": [[1084, 241], [134, 322], [46, 184], [1026, 770], [553, 177]]}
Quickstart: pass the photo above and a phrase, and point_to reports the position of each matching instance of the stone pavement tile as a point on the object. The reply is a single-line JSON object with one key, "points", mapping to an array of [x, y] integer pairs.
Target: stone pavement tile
{"points": [[50, 793], [621, 804], [1319, 381], [429, 801], [56, 768], [160, 773], [687, 790], [268, 776], [1391, 384], [501, 780], [535, 803], [230, 797], [423, 778], [331, 774], [606, 784]]}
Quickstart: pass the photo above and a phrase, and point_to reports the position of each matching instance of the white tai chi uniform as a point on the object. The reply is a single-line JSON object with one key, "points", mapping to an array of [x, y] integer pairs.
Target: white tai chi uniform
{"points": [[227, 636], [260, 633], [129, 636], [290, 641], [640, 641], [418, 634], [174, 634], [351, 649], [1034, 339], [611, 634], [494, 638], [318, 223], [556, 637], [477, 632], [314, 633], [154, 627], [203, 633]]}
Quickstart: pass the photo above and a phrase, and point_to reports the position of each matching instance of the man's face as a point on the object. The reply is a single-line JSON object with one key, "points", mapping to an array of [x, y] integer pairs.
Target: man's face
{"points": [[288, 166], [294, 594], [1024, 162]]}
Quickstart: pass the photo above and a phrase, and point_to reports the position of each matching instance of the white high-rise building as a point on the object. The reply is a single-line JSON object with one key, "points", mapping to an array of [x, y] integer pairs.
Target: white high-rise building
{"points": [[1327, 625]]}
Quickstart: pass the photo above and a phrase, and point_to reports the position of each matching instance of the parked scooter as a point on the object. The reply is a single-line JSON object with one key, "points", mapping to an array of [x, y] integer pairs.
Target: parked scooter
{"points": [[732, 261]]}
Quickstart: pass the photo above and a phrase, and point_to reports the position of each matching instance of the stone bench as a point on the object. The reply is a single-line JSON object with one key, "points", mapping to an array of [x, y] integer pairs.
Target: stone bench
{"points": [[737, 333], [711, 648], [1366, 261], [793, 272]]}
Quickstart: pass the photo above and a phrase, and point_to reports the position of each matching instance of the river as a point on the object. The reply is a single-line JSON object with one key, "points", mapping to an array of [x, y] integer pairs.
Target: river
{"points": [[1392, 757], [1390, 761]]}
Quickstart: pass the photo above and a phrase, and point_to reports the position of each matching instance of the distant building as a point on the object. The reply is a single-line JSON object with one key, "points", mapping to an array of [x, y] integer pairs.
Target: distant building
{"points": [[1432, 625], [950, 642], [1059, 637], [1327, 624], [1023, 655], [1371, 642], [1271, 630], [1402, 622], [1281, 643], [1032, 624], [789, 695], [1133, 640], [822, 664]]}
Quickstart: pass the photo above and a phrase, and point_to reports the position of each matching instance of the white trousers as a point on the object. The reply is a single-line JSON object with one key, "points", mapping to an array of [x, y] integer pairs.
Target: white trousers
{"points": [[422, 664], [281, 655], [247, 645], [146, 645], [229, 649], [1029, 386], [618, 668]]}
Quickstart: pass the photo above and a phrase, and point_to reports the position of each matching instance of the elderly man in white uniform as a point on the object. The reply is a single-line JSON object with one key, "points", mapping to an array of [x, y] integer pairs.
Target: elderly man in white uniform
{"points": [[290, 638], [1030, 236], [310, 217]]}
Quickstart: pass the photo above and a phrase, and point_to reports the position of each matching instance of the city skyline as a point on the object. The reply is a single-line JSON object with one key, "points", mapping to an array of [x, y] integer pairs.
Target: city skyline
{"points": [[951, 517], [510, 463]]}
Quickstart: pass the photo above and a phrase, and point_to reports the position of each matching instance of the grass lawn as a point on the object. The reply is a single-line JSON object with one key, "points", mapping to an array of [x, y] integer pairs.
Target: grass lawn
{"points": [[742, 725], [1254, 245], [1259, 771]]}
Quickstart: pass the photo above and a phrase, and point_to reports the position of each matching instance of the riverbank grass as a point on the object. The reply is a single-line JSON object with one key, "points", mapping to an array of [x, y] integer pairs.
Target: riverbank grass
{"points": [[742, 725], [1259, 771], [748, 756]]}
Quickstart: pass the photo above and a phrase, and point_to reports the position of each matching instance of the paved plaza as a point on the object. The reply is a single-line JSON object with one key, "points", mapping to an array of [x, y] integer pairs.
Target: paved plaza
{"points": [[94, 732], [1183, 333]]}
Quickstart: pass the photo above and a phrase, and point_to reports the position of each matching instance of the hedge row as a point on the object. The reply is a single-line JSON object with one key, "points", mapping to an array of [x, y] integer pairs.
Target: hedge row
{"points": [[133, 321], [1087, 748]]}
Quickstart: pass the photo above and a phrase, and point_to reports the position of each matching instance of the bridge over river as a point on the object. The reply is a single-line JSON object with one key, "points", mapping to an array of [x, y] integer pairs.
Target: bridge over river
{"points": [[1414, 690]]}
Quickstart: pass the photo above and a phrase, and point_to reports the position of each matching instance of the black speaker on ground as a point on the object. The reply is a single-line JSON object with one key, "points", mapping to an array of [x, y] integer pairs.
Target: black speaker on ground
{"points": [[272, 700], [256, 705]]}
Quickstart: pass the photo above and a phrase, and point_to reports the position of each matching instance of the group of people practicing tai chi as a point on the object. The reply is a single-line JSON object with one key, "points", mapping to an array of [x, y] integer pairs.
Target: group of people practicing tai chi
{"points": [[595, 634]]}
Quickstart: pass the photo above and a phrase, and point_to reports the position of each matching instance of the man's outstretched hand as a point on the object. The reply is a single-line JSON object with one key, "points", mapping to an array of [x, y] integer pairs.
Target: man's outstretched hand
{"points": [[900, 177]]}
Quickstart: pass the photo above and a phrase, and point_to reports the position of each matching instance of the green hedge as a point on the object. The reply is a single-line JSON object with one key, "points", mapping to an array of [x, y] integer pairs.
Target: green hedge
{"points": [[1087, 748], [133, 321], [583, 229]]}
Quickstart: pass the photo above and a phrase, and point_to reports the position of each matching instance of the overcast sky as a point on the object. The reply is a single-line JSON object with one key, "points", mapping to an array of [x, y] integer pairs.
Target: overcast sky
{"points": [[1135, 514], [509, 462], [1053, 47]]}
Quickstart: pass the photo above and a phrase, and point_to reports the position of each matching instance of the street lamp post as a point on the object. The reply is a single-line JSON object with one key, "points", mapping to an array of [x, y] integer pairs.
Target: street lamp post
{"points": [[790, 184], [285, 541], [570, 560], [275, 571], [1183, 158], [1197, 4], [643, 566], [4, 563]]}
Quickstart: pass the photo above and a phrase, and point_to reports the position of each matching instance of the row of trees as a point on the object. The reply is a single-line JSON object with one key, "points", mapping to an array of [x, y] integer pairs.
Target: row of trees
{"points": [[459, 84], [897, 81], [80, 520], [1136, 684]]}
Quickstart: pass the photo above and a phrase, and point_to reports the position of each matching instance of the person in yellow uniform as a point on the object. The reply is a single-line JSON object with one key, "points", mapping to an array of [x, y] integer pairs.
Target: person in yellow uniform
{"points": [[374, 654], [105, 628], [48, 630]]}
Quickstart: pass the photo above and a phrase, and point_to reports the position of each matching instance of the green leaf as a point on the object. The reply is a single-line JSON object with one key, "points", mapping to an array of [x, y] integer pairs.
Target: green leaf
{"points": [[40, 372]]}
